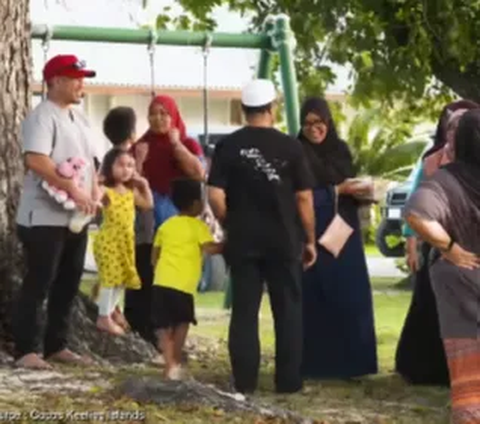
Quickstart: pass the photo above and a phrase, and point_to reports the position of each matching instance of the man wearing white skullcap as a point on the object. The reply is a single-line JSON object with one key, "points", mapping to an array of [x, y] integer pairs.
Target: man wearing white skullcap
{"points": [[260, 189]]}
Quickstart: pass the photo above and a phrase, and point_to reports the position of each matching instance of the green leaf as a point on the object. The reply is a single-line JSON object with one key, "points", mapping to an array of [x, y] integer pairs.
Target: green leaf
{"points": [[398, 157], [162, 21], [367, 59], [183, 22]]}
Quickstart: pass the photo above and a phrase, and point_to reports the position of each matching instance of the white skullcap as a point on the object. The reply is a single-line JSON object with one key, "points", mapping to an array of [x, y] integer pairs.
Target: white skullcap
{"points": [[259, 92]]}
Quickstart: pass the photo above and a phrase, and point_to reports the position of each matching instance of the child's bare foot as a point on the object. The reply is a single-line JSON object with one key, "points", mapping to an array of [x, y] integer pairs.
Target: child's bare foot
{"points": [[108, 325], [66, 356], [175, 373], [33, 361], [119, 319], [158, 360]]}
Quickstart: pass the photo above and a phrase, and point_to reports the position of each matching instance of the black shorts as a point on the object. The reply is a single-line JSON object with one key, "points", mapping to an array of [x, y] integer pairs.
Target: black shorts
{"points": [[171, 307]]}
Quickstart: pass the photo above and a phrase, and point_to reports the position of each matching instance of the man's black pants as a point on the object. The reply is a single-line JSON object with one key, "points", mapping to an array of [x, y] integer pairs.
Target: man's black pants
{"points": [[283, 280], [54, 258]]}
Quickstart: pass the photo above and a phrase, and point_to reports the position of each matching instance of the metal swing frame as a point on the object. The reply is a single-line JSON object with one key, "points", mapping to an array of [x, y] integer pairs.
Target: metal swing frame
{"points": [[276, 38]]}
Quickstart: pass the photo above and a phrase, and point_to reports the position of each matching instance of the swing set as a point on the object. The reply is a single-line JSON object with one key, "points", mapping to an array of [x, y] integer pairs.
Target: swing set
{"points": [[275, 38]]}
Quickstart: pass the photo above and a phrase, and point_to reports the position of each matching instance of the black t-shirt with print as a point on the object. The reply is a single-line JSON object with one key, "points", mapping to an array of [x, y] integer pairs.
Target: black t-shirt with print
{"points": [[260, 170]]}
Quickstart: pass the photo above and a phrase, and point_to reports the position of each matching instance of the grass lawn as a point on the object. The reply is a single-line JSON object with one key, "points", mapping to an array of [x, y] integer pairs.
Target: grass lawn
{"points": [[380, 399], [372, 251], [383, 398]]}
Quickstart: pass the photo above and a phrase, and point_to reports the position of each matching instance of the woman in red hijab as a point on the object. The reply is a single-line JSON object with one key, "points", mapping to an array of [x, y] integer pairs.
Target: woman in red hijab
{"points": [[165, 153]]}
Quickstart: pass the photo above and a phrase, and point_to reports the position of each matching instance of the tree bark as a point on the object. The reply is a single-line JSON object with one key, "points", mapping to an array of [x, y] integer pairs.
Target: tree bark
{"points": [[15, 60]]}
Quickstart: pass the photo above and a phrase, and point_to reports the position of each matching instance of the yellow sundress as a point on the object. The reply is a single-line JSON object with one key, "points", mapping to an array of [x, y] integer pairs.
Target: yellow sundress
{"points": [[114, 245]]}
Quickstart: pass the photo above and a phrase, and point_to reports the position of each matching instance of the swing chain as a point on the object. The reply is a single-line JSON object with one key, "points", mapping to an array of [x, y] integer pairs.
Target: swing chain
{"points": [[207, 45], [46, 47], [206, 52], [151, 54]]}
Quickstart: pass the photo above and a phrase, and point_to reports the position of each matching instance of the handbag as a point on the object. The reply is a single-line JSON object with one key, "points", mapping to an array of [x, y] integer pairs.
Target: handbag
{"points": [[337, 233]]}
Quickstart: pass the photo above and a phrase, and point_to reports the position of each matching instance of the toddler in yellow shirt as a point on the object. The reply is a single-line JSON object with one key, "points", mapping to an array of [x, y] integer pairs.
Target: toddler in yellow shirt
{"points": [[177, 253]]}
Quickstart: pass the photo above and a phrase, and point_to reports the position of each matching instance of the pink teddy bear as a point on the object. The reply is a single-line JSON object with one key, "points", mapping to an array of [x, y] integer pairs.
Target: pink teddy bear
{"points": [[72, 169]]}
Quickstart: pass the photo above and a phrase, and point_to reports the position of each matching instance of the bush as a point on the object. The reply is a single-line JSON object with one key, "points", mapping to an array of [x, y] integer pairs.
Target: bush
{"points": [[370, 217]]}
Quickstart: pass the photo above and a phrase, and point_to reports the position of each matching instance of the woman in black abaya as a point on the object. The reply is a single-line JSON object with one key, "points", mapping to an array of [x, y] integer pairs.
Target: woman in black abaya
{"points": [[339, 334]]}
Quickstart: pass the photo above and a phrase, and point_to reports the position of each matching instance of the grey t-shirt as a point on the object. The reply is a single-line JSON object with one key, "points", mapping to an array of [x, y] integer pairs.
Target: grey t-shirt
{"points": [[60, 133]]}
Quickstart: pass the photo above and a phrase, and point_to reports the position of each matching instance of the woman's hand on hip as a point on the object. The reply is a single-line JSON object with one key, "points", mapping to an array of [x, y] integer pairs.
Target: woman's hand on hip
{"points": [[462, 258]]}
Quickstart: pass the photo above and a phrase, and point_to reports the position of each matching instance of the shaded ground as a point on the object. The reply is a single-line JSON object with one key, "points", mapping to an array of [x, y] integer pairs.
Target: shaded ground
{"points": [[379, 399]]}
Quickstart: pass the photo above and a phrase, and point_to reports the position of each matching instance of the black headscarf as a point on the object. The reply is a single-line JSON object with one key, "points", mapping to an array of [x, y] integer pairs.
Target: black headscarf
{"points": [[331, 161], [466, 167], [440, 138]]}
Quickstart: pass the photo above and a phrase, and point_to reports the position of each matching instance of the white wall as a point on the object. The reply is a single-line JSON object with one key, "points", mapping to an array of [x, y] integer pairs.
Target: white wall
{"points": [[193, 113]]}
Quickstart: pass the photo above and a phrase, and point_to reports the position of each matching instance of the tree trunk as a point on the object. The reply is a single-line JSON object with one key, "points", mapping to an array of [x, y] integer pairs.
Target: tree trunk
{"points": [[15, 59]]}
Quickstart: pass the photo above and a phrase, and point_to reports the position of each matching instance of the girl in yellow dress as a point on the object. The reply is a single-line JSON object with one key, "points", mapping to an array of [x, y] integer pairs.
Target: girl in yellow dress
{"points": [[114, 245]]}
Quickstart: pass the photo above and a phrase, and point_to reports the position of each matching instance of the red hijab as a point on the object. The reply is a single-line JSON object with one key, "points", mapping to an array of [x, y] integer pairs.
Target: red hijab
{"points": [[170, 106], [161, 167]]}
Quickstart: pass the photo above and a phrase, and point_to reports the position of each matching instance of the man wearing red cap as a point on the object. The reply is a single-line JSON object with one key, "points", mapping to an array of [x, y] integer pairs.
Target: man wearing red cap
{"points": [[52, 133]]}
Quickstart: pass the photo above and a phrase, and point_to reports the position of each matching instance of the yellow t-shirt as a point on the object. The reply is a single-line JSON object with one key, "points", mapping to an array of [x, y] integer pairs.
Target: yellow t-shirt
{"points": [[180, 264]]}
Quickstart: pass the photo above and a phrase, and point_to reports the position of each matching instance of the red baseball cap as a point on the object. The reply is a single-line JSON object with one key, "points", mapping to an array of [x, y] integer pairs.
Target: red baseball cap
{"points": [[66, 66]]}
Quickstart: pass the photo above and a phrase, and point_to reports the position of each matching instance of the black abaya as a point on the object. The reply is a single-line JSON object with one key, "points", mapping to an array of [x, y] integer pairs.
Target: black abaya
{"points": [[420, 356]]}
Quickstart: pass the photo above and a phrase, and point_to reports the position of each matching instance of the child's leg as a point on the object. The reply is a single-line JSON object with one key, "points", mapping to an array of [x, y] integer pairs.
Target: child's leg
{"points": [[172, 342], [179, 336], [117, 295], [167, 345], [105, 301], [105, 309], [117, 314]]}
